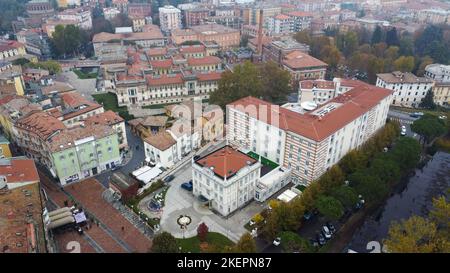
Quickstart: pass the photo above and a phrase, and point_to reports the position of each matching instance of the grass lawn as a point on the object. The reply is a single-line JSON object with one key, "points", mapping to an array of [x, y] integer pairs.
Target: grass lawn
{"points": [[109, 102], [82, 75], [300, 187], [214, 239], [157, 106], [264, 161]]}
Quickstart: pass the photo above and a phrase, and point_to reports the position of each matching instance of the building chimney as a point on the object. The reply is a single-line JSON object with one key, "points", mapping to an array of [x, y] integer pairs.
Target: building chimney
{"points": [[260, 33]]}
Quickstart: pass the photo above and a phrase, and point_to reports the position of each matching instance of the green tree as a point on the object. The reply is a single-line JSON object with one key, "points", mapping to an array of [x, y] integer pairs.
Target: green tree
{"points": [[375, 65], [303, 37], [246, 244], [331, 55], [334, 177], [292, 242], [53, 67], [243, 81], [423, 62], [164, 243], [329, 207], [377, 36], [406, 153], [67, 39], [353, 161], [428, 101], [275, 82], [386, 168], [429, 127], [348, 42], [346, 195], [20, 61], [371, 187], [404, 63], [392, 37]]}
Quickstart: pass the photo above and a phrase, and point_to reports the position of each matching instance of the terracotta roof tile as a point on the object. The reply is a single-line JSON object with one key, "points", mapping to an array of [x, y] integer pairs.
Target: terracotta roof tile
{"points": [[298, 60], [204, 60], [226, 161], [107, 118], [352, 104], [161, 140]]}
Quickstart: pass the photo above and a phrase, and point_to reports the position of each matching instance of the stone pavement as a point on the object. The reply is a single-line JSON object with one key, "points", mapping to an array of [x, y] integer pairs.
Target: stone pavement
{"points": [[89, 193], [95, 233]]}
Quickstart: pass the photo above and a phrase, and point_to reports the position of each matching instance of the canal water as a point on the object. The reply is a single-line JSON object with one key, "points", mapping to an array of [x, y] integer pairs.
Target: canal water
{"points": [[414, 199]]}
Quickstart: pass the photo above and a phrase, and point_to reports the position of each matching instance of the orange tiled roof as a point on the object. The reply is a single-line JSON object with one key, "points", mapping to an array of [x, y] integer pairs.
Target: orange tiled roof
{"points": [[19, 170], [204, 60], [164, 79], [353, 104], [161, 140], [297, 60], [107, 118], [226, 161], [40, 123], [211, 76], [167, 63]]}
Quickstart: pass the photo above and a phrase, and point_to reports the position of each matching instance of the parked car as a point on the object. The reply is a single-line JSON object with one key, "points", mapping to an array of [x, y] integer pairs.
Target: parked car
{"points": [[403, 130], [326, 232], [169, 178], [197, 157], [252, 222], [331, 227], [320, 239], [308, 215], [277, 241], [313, 242], [187, 186], [442, 117]]}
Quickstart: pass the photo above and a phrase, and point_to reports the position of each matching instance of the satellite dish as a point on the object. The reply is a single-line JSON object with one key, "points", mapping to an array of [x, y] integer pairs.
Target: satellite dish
{"points": [[308, 105]]}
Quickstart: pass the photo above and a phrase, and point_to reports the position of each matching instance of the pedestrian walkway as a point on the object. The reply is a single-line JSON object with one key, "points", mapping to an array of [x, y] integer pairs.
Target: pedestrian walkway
{"points": [[128, 214], [89, 193]]}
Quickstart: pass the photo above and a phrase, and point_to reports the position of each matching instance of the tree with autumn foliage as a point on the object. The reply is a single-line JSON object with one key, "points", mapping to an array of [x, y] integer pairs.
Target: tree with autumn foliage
{"points": [[202, 232]]}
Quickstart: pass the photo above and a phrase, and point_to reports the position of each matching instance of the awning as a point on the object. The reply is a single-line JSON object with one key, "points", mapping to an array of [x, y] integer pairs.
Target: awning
{"points": [[149, 175]]}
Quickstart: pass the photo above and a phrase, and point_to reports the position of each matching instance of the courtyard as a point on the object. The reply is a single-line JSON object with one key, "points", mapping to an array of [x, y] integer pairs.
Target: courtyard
{"points": [[180, 202]]}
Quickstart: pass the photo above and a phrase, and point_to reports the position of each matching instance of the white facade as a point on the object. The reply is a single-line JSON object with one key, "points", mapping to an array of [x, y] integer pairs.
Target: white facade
{"points": [[169, 18], [166, 158], [307, 157], [438, 72], [83, 17], [409, 90], [226, 195], [110, 13], [271, 183]]}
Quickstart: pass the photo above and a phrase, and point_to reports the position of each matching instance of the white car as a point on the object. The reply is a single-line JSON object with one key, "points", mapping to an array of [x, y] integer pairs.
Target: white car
{"points": [[277, 241], [442, 117], [326, 232]]}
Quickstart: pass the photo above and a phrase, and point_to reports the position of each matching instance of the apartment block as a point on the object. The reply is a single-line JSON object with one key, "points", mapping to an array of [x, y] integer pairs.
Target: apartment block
{"points": [[308, 141], [409, 90]]}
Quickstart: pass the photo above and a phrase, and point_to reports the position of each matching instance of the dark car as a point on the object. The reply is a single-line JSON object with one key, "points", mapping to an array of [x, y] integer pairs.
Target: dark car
{"points": [[320, 239], [197, 157], [169, 178], [187, 186], [331, 227], [308, 215]]}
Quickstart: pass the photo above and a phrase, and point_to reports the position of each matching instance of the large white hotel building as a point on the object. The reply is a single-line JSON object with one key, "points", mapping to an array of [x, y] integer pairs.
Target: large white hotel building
{"points": [[308, 142]]}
